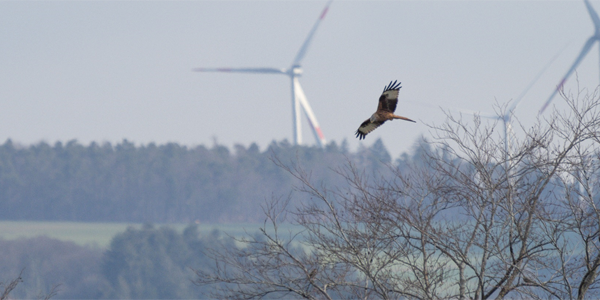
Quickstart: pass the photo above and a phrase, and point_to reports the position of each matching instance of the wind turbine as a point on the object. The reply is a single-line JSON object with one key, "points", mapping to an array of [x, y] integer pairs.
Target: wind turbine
{"points": [[584, 51], [506, 118], [298, 98]]}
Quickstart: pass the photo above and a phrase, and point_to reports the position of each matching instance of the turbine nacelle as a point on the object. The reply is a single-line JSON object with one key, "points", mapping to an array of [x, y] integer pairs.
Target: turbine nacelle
{"points": [[295, 71]]}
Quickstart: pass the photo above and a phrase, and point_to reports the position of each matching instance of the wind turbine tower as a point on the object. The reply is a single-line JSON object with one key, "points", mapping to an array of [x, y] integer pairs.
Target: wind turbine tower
{"points": [[584, 51], [298, 98]]}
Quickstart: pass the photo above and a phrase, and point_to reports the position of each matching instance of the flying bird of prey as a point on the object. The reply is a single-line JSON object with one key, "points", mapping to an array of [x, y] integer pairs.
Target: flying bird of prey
{"points": [[385, 110]]}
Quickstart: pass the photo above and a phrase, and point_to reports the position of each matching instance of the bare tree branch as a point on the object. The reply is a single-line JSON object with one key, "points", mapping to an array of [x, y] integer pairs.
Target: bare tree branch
{"points": [[11, 286]]}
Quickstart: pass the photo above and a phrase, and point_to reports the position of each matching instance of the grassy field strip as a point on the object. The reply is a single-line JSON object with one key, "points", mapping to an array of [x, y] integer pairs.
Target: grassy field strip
{"points": [[97, 234]]}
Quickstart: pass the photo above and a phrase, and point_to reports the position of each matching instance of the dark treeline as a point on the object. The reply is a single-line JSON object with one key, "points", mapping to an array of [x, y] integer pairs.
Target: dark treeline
{"points": [[160, 183], [140, 263]]}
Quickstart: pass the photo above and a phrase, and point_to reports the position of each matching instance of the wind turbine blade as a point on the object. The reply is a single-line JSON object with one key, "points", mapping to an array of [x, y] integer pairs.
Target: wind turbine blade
{"points": [[306, 43], [312, 120], [242, 70], [516, 102], [586, 48], [593, 14]]}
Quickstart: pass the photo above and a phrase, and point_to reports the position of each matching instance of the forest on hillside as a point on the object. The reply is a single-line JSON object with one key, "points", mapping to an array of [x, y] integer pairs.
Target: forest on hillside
{"points": [[167, 183], [148, 184], [140, 263]]}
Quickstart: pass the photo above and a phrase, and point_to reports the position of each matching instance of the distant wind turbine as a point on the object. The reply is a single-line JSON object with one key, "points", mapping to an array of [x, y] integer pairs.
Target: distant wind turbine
{"points": [[506, 118], [584, 51], [298, 97]]}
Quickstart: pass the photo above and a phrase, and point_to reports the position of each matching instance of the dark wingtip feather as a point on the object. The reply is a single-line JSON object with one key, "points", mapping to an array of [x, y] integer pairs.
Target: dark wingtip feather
{"points": [[394, 85], [360, 135]]}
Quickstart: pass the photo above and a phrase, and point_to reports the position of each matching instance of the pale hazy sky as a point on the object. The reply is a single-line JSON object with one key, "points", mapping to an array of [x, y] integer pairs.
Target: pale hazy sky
{"points": [[112, 70]]}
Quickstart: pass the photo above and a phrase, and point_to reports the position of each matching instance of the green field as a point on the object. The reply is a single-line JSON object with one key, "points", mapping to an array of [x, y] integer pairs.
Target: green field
{"points": [[97, 234]]}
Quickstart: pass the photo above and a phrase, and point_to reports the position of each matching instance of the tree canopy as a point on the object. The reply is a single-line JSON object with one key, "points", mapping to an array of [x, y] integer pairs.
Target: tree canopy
{"points": [[157, 183]]}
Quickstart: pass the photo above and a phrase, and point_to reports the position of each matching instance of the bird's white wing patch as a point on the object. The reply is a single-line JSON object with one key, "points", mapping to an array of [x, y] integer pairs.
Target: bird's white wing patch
{"points": [[391, 94]]}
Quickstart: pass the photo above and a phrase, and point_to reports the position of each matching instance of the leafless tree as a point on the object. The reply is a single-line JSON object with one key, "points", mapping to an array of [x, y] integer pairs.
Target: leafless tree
{"points": [[10, 286], [575, 233], [53, 292], [470, 220]]}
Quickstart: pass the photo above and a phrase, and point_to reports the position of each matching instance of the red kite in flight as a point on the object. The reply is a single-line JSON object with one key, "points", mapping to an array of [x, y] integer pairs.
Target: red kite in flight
{"points": [[385, 110]]}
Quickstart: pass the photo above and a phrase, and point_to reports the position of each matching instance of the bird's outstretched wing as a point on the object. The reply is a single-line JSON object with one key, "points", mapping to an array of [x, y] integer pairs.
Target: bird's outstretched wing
{"points": [[366, 127], [389, 97], [385, 110]]}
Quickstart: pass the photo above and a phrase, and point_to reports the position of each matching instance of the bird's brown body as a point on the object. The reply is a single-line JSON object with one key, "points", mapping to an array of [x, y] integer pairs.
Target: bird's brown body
{"points": [[385, 111]]}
